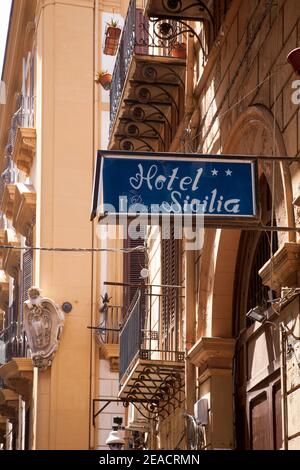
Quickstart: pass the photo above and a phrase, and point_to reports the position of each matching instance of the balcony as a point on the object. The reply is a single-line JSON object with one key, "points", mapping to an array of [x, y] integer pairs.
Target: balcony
{"points": [[148, 84], [196, 10], [108, 334], [151, 373], [11, 257], [13, 343], [20, 150]]}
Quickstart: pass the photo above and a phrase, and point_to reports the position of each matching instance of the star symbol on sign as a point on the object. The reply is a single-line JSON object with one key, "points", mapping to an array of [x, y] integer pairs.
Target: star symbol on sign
{"points": [[228, 172], [214, 172]]}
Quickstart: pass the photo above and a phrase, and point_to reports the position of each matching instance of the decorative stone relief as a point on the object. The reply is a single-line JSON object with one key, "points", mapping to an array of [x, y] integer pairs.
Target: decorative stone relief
{"points": [[24, 210], [24, 148], [43, 324]]}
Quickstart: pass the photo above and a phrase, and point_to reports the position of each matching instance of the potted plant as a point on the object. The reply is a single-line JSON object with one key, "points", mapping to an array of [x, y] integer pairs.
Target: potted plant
{"points": [[178, 50], [104, 78], [112, 36]]}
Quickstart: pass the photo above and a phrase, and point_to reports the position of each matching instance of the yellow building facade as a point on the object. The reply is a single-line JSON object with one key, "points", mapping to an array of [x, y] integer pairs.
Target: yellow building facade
{"points": [[50, 131], [146, 329], [208, 372]]}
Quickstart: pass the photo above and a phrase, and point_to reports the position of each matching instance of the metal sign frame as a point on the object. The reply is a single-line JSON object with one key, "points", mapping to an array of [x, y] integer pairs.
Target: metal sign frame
{"points": [[210, 221]]}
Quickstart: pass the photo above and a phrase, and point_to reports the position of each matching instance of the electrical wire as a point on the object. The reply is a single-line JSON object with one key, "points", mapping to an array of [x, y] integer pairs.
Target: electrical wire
{"points": [[138, 249]]}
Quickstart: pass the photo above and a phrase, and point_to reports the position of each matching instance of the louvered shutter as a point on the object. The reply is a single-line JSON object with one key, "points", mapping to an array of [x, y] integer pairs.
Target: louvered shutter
{"points": [[170, 277], [133, 263], [27, 274], [26, 283]]}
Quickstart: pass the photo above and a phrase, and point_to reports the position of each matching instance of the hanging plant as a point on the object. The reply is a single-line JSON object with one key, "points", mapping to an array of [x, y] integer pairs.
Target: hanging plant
{"points": [[112, 36], [104, 79]]}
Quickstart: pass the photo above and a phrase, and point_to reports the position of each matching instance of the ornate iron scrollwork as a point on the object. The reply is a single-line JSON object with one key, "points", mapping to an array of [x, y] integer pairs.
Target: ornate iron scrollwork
{"points": [[159, 390], [128, 144], [162, 35], [177, 7]]}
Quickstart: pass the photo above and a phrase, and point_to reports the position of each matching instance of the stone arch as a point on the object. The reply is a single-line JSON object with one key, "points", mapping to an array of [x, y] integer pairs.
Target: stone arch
{"points": [[254, 133]]}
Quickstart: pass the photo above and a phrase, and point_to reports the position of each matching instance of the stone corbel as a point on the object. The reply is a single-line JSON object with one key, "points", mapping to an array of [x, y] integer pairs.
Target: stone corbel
{"points": [[2, 424], [114, 364], [2, 315], [2, 429], [43, 323], [213, 356], [9, 403], [110, 352], [18, 376], [7, 203], [24, 149], [11, 258], [283, 269], [24, 209], [4, 290]]}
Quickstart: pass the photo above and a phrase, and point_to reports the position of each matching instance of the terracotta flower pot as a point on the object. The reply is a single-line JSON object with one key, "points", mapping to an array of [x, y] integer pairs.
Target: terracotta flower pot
{"points": [[105, 80], [112, 36], [294, 59], [178, 51]]}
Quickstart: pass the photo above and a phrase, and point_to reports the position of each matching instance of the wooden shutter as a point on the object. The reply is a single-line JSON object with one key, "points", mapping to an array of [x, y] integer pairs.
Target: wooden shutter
{"points": [[133, 263], [26, 283], [170, 276], [277, 416], [27, 274]]}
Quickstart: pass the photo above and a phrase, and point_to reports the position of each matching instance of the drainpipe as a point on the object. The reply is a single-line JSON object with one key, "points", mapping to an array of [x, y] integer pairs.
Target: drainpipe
{"points": [[190, 320], [283, 380], [190, 329]]}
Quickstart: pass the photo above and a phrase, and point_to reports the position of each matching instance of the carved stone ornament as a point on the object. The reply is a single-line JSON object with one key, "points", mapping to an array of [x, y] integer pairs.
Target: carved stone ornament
{"points": [[43, 324]]}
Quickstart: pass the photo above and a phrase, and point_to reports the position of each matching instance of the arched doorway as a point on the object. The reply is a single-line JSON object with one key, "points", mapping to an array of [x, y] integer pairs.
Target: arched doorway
{"points": [[223, 302], [258, 419]]}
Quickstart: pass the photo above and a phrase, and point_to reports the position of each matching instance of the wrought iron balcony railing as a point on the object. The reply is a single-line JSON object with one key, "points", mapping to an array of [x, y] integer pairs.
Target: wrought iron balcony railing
{"points": [[143, 37], [109, 328], [13, 343], [23, 117], [145, 334]]}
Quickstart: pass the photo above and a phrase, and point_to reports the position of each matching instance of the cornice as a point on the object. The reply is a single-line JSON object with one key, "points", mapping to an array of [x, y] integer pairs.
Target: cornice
{"points": [[24, 209], [283, 269], [43, 4], [24, 148], [4, 290], [18, 375], [212, 353], [11, 258]]}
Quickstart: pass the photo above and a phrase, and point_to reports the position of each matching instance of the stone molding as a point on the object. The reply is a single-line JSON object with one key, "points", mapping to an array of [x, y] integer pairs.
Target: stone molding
{"points": [[4, 290], [7, 203], [11, 258], [18, 376], [212, 353], [283, 268], [110, 352], [2, 317], [9, 403], [24, 209], [24, 148]]}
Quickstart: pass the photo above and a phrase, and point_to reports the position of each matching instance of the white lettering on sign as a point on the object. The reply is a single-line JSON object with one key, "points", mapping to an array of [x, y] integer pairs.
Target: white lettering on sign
{"points": [[212, 203]]}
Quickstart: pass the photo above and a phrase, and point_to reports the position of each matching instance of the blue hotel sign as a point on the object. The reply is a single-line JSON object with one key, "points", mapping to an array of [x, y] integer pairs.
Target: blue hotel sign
{"points": [[160, 184]]}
